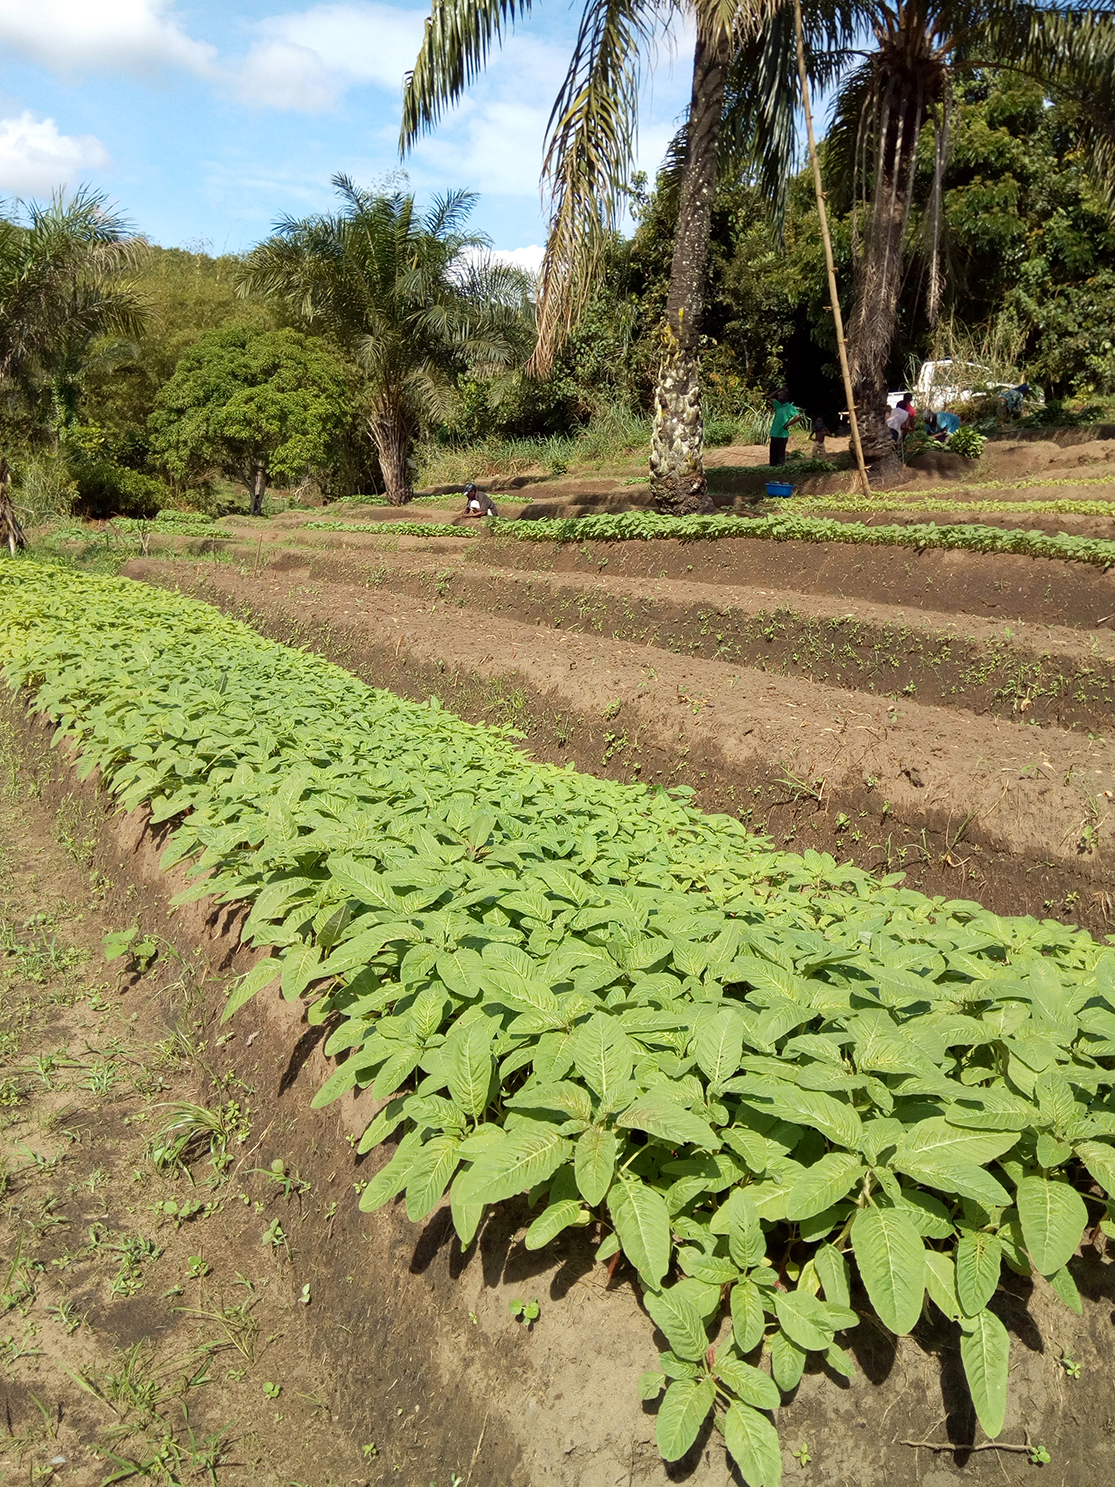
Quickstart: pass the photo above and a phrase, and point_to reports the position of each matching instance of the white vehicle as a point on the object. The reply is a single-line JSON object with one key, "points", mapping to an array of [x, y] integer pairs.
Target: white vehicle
{"points": [[942, 383]]}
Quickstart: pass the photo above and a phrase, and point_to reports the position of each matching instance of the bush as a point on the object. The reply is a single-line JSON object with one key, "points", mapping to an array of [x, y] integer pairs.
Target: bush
{"points": [[967, 443], [105, 489]]}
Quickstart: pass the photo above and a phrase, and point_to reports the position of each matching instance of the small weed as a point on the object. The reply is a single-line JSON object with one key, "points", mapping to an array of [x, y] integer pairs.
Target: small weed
{"points": [[271, 1390], [525, 1311], [1071, 1368], [1039, 1456], [802, 1454], [125, 942], [194, 1131]]}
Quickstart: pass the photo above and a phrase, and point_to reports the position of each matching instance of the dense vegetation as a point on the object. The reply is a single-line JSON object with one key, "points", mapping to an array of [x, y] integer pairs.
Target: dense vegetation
{"points": [[1025, 287], [756, 1076]]}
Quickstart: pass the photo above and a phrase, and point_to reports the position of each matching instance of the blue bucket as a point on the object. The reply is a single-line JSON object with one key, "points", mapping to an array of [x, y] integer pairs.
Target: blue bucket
{"points": [[779, 488]]}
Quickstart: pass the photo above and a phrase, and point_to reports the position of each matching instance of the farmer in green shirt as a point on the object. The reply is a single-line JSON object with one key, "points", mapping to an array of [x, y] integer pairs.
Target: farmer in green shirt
{"points": [[784, 414]]}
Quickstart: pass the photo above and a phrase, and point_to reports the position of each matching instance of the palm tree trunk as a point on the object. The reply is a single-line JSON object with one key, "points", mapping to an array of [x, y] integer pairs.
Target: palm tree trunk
{"points": [[390, 429], [257, 487], [677, 470], [878, 274]]}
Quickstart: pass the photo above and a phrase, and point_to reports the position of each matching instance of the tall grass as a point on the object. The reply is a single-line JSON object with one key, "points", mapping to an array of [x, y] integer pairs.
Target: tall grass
{"points": [[613, 437], [43, 488]]}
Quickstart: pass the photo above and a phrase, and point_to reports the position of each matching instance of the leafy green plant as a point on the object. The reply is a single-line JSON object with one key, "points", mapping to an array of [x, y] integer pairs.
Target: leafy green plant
{"points": [[194, 1131], [645, 526], [126, 942], [525, 1311], [392, 528], [967, 442], [728, 1057]]}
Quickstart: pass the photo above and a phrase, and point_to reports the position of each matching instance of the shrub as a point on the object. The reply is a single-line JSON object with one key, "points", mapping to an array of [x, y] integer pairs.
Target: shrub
{"points": [[967, 443]]}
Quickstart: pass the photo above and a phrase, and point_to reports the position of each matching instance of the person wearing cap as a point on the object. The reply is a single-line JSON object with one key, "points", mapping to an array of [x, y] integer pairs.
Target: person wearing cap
{"points": [[477, 503]]}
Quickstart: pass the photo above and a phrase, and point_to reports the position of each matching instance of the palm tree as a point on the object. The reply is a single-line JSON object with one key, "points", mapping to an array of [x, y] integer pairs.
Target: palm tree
{"points": [[886, 99], [410, 298], [590, 157], [61, 291]]}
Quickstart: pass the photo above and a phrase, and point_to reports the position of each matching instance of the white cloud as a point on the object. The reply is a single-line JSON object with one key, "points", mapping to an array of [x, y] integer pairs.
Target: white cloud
{"points": [[132, 35], [526, 258], [361, 43], [277, 74], [35, 159]]}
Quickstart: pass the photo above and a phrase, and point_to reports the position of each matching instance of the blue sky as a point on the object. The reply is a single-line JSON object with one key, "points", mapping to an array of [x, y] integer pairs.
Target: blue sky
{"points": [[206, 121]]}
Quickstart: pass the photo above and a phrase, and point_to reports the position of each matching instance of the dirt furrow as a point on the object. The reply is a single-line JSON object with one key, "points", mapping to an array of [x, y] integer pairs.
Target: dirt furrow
{"points": [[968, 806], [1038, 673]]}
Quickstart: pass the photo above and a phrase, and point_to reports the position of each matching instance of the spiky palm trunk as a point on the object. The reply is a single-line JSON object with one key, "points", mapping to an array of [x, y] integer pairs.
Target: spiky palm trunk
{"points": [[914, 78], [677, 470], [391, 432]]}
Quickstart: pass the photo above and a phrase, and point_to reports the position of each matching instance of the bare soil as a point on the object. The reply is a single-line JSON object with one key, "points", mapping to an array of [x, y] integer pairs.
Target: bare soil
{"points": [[967, 806], [1035, 673]]}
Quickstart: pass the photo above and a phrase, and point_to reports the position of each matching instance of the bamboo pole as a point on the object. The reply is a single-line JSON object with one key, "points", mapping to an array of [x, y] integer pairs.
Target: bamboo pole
{"points": [[822, 213]]}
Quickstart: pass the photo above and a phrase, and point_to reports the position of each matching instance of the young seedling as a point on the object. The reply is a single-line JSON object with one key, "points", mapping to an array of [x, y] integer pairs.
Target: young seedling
{"points": [[525, 1311], [1039, 1456], [272, 1390]]}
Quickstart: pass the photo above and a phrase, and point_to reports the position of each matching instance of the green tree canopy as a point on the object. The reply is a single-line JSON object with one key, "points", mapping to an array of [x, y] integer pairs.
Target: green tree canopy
{"points": [[258, 405], [409, 297]]}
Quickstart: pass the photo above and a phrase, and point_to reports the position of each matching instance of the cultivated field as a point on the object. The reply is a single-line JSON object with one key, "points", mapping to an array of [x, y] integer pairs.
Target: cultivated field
{"points": [[920, 685]]}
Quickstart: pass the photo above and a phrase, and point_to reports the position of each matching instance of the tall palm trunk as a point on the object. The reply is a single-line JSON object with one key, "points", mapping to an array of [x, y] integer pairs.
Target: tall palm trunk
{"points": [[677, 471], [878, 272], [257, 487], [390, 429]]}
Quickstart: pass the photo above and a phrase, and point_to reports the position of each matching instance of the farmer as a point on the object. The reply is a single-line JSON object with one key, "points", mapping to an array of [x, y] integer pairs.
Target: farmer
{"points": [[785, 414], [901, 421], [477, 503], [942, 425]]}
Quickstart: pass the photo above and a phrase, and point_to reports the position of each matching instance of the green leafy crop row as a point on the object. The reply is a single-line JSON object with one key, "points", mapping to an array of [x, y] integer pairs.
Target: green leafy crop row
{"points": [[783, 1090], [898, 502], [392, 528], [630, 526]]}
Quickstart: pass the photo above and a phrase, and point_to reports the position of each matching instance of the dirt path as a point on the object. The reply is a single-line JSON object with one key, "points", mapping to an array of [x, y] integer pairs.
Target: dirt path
{"points": [[145, 1329], [874, 774]]}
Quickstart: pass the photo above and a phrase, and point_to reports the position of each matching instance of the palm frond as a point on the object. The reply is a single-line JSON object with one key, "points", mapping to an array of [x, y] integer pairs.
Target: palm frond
{"points": [[590, 154], [458, 38]]}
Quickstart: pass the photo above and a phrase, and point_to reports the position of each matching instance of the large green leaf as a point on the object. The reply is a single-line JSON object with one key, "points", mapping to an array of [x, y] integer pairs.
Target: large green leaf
{"points": [[940, 1282], [1099, 1158], [553, 1220], [468, 1064], [978, 1259], [747, 1315], [523, 1158], [678, 1319], [804, 1319], [602, 1055], [429, 1175], [753, 1443], [954, 1176], [787, 1362], [1054, 1218], [642, 1222], [594, 1161], [832, 1272], [748, 1383], [936, 1140], [719, 1046], [891, 1259], [985, 1353], [823, 1184], [659, 1115], [681, 1414]]}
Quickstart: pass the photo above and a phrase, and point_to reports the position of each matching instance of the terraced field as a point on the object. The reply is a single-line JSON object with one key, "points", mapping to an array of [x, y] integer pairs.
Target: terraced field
{"points": [[943, 713], [932, 704]]}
